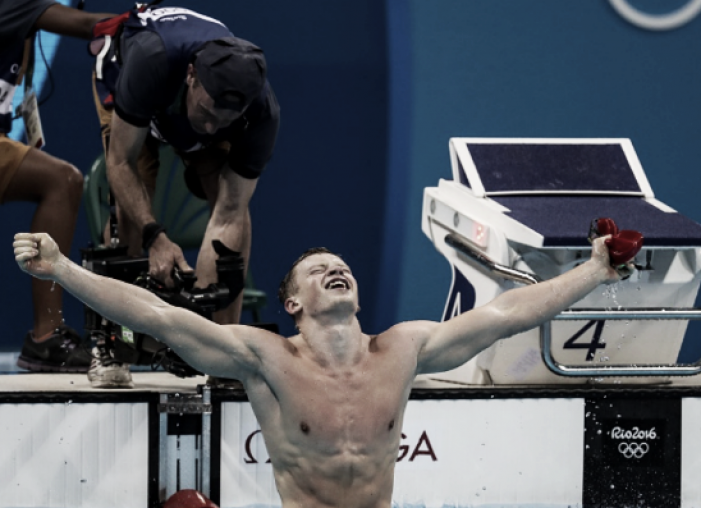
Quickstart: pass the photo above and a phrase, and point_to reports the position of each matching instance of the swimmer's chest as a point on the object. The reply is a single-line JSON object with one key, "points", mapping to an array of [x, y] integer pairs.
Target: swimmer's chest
{"points": [[358, 404]]}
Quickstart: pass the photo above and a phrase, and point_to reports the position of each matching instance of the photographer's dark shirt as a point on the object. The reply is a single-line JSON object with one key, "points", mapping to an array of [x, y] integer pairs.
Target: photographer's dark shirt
{"points": [[146, 94]]}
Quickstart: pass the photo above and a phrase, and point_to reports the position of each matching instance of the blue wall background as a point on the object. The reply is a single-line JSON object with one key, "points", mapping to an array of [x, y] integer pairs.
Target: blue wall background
{"points": [[544, 68], [370, 94]]}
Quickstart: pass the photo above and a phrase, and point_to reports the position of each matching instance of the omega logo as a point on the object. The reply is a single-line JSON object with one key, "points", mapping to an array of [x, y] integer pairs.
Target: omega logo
{"points": [[668, 21], [422, 447], [249, 458]]}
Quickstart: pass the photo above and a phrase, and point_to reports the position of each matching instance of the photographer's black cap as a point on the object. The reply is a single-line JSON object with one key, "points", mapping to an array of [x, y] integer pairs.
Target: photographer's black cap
{"points": [[232, 71]]}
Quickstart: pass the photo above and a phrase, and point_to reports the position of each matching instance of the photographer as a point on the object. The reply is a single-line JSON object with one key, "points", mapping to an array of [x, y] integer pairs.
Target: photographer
{"points": [[177, 76]]}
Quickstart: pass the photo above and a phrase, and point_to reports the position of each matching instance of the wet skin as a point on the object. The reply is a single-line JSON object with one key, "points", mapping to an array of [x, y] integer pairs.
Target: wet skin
{"points": [[330, 401], [333, 431]]}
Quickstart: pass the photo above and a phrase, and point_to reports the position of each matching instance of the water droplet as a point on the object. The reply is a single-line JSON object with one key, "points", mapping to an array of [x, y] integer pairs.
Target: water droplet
{"points": [[598, 431], [53, 286]]}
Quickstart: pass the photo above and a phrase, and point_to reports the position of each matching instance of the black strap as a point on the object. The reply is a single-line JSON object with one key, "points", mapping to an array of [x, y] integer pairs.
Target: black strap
{"points": [[150, 233]]}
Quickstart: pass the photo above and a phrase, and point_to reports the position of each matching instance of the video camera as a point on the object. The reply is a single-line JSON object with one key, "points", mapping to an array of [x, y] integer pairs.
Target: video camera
{"points": [[134, 348]]}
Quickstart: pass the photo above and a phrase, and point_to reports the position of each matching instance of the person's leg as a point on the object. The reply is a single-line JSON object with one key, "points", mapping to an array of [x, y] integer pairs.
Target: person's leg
{"points": [[56, 187], [26, 174]]}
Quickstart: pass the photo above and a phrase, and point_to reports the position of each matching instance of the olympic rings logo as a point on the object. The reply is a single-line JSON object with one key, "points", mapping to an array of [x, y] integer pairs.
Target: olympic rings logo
{"points": [[668, 21], [637, 450]]}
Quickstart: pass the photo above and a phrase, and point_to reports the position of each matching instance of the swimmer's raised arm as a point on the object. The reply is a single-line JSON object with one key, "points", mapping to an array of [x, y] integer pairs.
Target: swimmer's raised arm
{"points": [[210, 348], [449, 344]]}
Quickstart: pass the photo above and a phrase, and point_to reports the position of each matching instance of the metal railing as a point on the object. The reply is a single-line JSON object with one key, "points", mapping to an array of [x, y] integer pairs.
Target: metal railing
{"points": [[482, 261], [616, 370]]}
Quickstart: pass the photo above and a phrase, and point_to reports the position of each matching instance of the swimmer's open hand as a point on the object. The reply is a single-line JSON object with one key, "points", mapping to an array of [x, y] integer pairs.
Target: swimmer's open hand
{"points": [[37, 254]]}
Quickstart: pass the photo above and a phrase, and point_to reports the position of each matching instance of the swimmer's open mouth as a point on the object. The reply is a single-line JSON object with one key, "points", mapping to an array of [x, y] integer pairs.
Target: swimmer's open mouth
{"points": [[337, 284]]}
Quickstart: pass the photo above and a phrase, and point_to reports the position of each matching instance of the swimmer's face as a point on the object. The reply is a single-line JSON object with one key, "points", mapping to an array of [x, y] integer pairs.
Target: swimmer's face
{"points": [[204, 116], [324, 284]]}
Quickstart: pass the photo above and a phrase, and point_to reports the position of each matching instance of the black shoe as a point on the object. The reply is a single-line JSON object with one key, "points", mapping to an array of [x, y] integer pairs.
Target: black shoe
{"points": [[63, 351]]}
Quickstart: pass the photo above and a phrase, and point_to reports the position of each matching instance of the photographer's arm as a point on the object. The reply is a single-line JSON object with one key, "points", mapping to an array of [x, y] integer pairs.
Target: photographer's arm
{"points": [[126, 141], [208, 347]]}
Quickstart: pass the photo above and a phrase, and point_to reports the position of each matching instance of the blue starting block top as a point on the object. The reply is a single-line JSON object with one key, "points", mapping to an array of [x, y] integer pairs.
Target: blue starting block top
{"points": [[556, 187]]}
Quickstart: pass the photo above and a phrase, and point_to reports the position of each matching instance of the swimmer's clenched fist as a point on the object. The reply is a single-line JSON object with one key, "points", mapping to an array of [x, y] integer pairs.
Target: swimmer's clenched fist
{"points": [[600, 254], [37, 254]]}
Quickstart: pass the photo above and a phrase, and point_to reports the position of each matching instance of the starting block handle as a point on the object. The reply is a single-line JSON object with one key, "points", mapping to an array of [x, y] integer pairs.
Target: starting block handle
{"points": [[482, 261], [617, 370]]}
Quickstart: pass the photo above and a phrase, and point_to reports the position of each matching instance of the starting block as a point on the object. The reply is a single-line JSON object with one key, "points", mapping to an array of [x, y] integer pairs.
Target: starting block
{"points": [[518, 211]]}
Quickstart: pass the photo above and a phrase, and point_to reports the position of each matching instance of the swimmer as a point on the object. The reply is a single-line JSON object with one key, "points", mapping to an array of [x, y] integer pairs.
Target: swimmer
{"points": [[330, 400]]}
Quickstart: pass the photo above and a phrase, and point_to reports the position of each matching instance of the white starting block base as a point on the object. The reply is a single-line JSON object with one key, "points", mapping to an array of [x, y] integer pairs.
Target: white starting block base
{"points": [[520, 209], [517, 360], [67, 445]]}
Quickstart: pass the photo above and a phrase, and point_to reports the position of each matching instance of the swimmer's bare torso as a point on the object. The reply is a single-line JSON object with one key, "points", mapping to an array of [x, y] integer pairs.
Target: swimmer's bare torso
{"points": [[333, 430]]}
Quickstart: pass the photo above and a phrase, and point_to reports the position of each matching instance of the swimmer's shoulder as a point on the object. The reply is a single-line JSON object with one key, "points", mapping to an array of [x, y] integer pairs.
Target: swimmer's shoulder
{"points": [[405, 331], [262, 339]]}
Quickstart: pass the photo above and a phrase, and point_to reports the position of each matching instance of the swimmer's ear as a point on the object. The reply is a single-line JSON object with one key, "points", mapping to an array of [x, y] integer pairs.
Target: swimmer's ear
{"points": [[292, 305]]}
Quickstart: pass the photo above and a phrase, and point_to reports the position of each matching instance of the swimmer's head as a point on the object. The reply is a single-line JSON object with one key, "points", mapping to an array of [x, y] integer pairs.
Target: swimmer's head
{"points": [[318, 280]]}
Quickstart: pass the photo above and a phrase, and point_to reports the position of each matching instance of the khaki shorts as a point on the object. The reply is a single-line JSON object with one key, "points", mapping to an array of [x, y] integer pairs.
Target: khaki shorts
{"points": [[12, 153], [199, 162]]}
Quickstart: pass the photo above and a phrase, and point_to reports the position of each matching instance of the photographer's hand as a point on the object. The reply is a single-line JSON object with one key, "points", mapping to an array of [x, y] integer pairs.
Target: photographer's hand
{"points": [[37, 254], [163, 256]]}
